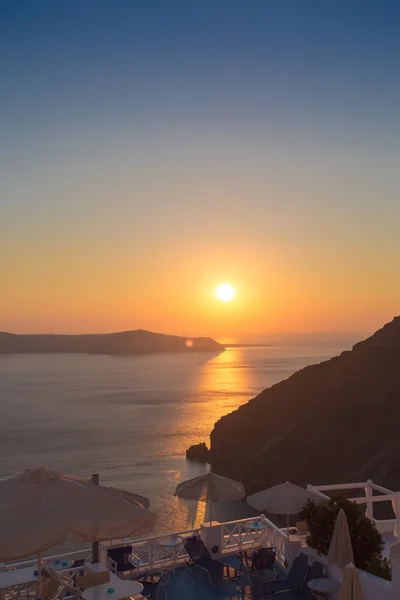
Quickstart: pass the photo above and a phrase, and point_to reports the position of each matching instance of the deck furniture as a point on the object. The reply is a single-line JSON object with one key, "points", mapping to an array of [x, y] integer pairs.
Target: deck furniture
{"points": [[323, 589], [301, 529], [200, 558], [20, 582], [114, 590], [152, 581], [259, 563], [315, 570], [294, 580], [121, 561], [169, 545], [258, 527], [57, 585], [90, 579]]}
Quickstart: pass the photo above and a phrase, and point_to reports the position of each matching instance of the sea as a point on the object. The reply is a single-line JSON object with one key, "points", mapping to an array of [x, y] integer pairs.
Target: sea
{"points": [[131, 419]]}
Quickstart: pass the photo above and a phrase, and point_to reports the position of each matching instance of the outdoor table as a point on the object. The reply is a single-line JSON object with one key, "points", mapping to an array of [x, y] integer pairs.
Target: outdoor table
{"points": [[58, 565], [121, 588], [169, 544], [257, 526], [323, 588]]}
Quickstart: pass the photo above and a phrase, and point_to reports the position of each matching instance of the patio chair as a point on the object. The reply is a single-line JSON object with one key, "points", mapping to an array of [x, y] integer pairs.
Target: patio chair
{"points": [[121, 561], [216, 570], [316, 570], [79, 563], [302, 530], [153, 581], [258, 561], [294, 580]]}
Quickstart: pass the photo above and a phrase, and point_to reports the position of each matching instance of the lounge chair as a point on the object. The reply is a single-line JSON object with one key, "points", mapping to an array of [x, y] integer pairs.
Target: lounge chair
{"points": [[294, 580], [152, 581], [258, 561], [316, 570], [199, 557]]}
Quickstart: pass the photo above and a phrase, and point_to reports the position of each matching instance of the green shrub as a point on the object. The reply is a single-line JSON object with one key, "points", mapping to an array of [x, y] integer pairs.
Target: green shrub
{"points": [[367, 542]]}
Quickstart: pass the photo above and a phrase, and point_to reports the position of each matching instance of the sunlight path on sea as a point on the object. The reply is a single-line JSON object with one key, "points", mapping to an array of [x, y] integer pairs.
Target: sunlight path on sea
{"points": [[131, 418]]}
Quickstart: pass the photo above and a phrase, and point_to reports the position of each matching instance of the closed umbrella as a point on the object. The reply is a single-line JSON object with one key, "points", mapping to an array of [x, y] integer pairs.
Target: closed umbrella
{"points": [[341, 551], [351, 587], [40, 509], [210, 488]]}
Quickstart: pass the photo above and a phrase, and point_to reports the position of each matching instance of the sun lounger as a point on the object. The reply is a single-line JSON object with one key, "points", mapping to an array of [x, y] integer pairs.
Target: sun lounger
{"points": [[200, 558], [315, 570], [152, 581], [259, 561], [294, 580]]}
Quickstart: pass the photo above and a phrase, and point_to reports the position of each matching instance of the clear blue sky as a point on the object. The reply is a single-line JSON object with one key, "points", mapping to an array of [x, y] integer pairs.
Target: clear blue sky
{"points": [[150, 149]]}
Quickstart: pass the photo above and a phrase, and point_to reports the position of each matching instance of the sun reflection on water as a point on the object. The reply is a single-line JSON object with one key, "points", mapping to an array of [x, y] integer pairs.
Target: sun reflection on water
{"points": [[219, 387]]}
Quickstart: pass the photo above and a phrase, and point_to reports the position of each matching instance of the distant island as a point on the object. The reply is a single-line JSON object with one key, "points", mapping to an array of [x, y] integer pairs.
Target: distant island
{"points": [[335, 421], [121, 343]]}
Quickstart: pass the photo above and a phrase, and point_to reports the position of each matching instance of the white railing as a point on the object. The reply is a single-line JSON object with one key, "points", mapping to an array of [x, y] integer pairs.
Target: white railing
{"points": [[74, 555], [369, 487], [235, 537], [147, 552]]}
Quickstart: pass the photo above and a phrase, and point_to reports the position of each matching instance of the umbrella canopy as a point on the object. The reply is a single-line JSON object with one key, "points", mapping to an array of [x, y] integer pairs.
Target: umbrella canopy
{"points": [[40, 509], [351, 586], [283, 499], [341, 551], [211, 487], [116, 493]]}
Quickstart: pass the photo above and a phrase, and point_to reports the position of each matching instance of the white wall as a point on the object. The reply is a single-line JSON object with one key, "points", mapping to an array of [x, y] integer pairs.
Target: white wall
{"points": [[374, 588]]}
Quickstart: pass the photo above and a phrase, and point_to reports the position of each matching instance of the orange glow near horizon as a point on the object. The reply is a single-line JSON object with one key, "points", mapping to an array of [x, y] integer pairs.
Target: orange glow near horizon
{"points": [[108, 288]]}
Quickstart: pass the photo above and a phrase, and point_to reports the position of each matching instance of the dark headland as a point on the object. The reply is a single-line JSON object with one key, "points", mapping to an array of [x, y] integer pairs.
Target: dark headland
{"points": [[122, 343], [334, 422]]}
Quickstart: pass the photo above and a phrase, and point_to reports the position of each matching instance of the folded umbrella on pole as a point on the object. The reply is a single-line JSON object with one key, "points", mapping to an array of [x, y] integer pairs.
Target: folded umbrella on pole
{"points": [[341, 551], [210, 488], [351, 586]]}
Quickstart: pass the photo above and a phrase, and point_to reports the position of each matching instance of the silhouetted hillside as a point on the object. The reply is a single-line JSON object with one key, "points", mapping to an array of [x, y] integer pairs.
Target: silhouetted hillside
{"points": [[332, 422], [126, 342]]}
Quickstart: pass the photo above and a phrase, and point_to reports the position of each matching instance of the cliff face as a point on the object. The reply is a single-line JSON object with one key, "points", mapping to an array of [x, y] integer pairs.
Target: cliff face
{"points": [[329, 423], [125, 342]]}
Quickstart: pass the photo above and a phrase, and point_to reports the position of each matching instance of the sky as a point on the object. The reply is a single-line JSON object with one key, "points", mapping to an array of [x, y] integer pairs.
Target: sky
{"points": [[152, 150]]}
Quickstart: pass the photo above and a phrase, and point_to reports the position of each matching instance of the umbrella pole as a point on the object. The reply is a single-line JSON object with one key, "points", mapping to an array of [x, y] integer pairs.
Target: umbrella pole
{"points": [[39, 579], [209, 511], [95, 545], [287, 539]]}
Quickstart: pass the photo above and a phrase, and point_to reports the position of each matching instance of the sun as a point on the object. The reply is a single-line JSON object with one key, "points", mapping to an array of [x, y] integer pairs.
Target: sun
{"points": [[225, 292]]}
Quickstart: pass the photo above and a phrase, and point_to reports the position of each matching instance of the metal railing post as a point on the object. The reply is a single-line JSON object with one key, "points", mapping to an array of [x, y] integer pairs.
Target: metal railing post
{"points": [[95, 545]]}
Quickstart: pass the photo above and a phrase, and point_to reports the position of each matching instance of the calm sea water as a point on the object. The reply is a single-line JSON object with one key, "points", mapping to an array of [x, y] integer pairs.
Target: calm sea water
{"points": [[130, 419]]}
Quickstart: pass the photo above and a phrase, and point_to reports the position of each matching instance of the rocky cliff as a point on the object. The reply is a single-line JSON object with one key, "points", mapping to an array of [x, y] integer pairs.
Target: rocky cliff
{"points": [[125, 342], [334, 422]]}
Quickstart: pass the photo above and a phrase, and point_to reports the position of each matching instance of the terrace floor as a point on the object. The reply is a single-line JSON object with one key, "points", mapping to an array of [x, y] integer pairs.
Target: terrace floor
{"points": [[194, 585]]}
